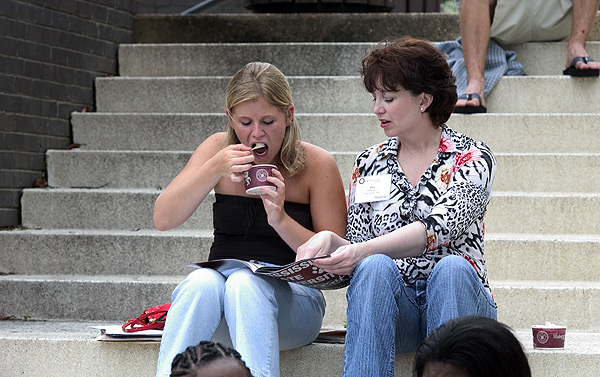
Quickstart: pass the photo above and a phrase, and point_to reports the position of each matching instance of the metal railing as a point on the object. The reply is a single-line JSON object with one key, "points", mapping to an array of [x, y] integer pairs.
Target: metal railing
{"points": [[201, 6]]}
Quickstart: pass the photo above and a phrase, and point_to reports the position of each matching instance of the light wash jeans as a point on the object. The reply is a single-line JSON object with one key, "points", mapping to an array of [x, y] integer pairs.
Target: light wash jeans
{"points": [[263, 315], [386, 317]]}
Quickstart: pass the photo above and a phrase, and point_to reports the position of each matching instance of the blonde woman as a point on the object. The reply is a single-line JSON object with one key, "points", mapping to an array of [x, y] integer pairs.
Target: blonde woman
{"points": [[263, 315]]}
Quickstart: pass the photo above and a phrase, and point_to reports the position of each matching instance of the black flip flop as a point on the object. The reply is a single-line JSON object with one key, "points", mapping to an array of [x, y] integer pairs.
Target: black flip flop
{"points": [[572, 71], [470, 109]]}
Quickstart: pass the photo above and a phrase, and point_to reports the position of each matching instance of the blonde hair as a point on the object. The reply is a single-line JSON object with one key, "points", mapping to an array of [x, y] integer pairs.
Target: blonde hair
{"points": [[264, 80]]}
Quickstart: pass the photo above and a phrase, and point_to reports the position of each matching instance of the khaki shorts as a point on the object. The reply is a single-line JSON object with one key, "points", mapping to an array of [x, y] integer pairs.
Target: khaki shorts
{"points": [[519, 21]]}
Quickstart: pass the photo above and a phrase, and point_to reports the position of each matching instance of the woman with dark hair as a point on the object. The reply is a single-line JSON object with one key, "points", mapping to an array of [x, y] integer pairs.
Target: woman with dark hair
{"points": [[414, 239], [471, 346]]}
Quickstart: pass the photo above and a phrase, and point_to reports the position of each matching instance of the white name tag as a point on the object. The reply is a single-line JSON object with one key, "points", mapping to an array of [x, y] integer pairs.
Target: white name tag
{"points": [[373, 188]]}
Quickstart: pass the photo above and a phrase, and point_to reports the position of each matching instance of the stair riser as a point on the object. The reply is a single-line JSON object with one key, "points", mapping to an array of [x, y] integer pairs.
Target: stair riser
{"points": [[576, 308], [167, 254], [518, 306], [72, 358], [547, 58], [544, 94], [175, 95], [533, 173], [322, 95], [326, 59], [504, 133], [516, 213], [226, 59], [106, 209], [102, 254], [295, 27], [66, 358], [82, 299]]}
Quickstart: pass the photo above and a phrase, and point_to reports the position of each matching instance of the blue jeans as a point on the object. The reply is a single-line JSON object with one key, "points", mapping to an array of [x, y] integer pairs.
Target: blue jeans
{"points": [[386, 317], [263, 316]]}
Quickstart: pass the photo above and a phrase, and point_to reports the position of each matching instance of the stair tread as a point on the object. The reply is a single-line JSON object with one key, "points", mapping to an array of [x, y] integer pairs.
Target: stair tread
{"points": [[585, 342], [170, 279]]}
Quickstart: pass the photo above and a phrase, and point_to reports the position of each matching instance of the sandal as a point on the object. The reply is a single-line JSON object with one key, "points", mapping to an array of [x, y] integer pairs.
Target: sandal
{"points": [[470, 109]]}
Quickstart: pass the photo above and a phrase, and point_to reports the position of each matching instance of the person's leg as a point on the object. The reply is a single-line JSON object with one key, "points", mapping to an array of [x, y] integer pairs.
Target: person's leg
{"points": [[266, 315], [454, 290], [475, 22], [196, 311], [376, 303], [584, 14]]}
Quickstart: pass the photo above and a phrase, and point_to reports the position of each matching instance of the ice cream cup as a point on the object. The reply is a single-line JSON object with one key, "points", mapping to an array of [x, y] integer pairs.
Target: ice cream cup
{"points": [[256, 177], [548, 336]]}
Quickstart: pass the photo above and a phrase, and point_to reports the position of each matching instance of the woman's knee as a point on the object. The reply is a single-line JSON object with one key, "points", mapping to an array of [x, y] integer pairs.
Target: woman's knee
{"points": [[374, 275], [451, 266], [199, 281], [245, 283], [376, 265]]}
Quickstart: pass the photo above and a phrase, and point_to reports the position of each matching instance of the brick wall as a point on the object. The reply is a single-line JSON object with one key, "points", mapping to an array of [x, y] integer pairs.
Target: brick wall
{"points": [[50, 53]]}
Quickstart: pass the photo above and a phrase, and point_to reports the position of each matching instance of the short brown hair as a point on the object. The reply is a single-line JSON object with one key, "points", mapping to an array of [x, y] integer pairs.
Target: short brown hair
{"points": [[418, 67]]}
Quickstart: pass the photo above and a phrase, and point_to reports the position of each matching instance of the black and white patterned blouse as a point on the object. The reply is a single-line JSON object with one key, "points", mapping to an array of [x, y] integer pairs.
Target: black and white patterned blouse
{"points": [[450, 200]]}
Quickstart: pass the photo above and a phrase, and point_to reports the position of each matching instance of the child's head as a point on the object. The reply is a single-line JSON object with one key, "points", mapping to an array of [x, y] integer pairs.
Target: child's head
{"points": [[209, 359], [471, 346]]}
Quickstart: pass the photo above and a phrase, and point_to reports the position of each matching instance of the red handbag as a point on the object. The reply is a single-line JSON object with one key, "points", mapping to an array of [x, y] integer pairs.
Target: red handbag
{"points": [[153, 318]]}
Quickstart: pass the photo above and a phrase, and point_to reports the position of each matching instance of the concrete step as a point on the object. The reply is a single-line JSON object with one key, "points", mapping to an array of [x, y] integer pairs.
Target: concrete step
{"points": [[131, 209], [102, 252], [68, 349], [505, 133], [543, 213], [297, 59], [544, 172], [302, 27], [520, 303], [206, 94], [83, 297], [548, 58], [322, 94], [542, 257], [118, 297], [296, 27], [533, 94]]}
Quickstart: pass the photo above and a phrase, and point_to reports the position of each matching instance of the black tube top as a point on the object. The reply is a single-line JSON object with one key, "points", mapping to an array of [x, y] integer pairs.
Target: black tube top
{"points": [[242, 231]]}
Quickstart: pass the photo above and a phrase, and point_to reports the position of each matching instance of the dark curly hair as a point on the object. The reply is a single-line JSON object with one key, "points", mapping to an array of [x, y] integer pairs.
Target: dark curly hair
{"points": [[193, 358], [480, 346], [418, 67]]}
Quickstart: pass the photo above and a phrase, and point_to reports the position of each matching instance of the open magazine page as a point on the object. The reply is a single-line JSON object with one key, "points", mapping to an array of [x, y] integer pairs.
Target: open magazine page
{"points": [[300, 272], [227, 264]]}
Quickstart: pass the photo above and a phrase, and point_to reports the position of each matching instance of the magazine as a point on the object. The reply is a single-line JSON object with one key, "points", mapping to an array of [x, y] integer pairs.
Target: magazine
{"points": [[336, 336], [300, 272], [115, 333]]}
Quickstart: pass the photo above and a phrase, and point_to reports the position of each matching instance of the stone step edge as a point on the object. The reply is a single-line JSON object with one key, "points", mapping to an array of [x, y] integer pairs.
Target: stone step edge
{"points": [[531, 194], [587, 342], [568, 237], [311, 114], [174, 279], [166, 152], [300, 43]]}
